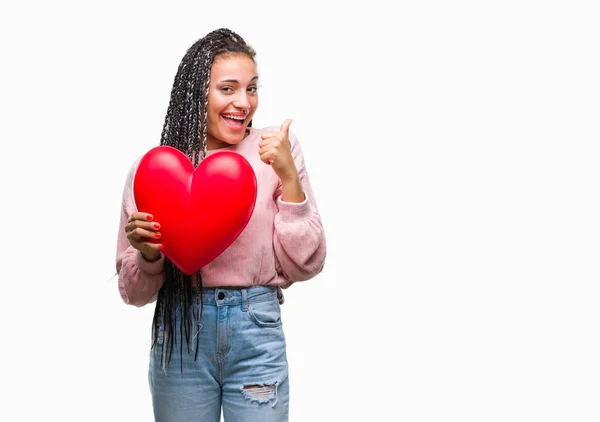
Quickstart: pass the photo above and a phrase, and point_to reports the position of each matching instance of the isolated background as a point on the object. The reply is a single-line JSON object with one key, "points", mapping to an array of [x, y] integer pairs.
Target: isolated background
{"points": [[453, 151]]}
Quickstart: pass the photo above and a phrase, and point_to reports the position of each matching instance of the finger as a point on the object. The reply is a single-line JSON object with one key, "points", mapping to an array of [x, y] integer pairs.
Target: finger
{"points": [[268, 158], [153, 246], [268, 148], [265, 142], [272, 142], [144, 216], [266, 135], [138, 234], [285, 127], [147, 225], [145, 244]]}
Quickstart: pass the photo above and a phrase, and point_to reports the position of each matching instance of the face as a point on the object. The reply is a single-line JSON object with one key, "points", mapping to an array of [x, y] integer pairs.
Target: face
{"points": [[232, 99]]}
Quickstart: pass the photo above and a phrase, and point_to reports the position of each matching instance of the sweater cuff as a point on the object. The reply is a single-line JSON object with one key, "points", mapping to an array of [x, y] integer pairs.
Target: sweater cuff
{"points": [[294, 212], [153, 268]]}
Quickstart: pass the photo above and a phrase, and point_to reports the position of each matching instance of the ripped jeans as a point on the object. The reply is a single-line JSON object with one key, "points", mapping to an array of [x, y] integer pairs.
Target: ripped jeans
{"points": [[241, 364]]}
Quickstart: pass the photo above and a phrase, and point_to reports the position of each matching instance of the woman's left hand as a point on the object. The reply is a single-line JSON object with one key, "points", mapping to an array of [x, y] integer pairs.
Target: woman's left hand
{"points": [[275, 151]]}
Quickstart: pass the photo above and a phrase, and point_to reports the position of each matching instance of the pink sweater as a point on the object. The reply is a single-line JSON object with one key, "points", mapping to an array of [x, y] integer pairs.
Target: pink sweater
{"points": [[283, 242]]}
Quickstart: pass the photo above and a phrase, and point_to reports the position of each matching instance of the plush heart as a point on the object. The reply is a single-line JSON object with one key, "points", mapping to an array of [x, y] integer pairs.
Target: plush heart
{"points": [[201, 211]]}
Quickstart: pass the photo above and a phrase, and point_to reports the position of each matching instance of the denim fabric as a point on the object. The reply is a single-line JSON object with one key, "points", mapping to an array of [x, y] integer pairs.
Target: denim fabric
{"points": [[241, 364]]}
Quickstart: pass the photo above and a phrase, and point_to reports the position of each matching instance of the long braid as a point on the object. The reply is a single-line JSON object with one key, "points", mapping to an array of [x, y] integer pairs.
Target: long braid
{"points": [[185, 128], [205, 115]]}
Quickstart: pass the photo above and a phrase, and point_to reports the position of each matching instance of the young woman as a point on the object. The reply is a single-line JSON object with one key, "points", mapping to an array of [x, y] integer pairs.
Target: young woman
{"points": [[223, 323]]}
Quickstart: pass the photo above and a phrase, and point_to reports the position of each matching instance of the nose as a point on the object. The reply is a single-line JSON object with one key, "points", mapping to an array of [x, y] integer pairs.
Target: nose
{"points": [[241, 100]]}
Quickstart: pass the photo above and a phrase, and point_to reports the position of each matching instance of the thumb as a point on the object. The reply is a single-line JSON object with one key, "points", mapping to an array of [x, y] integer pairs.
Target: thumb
{"points": [[285, 127]]}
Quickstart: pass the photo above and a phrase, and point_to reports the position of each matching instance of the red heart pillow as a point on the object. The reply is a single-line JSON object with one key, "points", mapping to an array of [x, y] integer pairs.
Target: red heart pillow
{"points": [[201, 211]]}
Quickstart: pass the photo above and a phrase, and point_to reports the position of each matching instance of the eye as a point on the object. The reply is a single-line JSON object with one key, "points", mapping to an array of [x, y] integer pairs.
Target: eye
{"points": [[253, 89], [227, 89]]}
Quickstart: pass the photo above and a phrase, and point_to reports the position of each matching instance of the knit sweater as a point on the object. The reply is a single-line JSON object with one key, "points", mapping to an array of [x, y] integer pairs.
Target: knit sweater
{"points": [[283, 242]]}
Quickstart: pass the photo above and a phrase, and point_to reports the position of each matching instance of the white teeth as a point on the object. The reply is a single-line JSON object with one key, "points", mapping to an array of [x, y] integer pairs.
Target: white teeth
{"points": [[233, 117]]}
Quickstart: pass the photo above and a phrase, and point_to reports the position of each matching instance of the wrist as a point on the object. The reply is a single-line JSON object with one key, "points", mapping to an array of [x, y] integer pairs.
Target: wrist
{"points": [[150, 258], [292, 179], [291, 191]]}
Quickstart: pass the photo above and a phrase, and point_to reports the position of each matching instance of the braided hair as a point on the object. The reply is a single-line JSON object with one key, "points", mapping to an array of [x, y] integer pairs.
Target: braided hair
{"points": [[183, 129]]}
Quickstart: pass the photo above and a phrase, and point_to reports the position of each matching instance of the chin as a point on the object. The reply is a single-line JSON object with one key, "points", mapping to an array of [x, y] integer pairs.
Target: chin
{"points": [[227, 138], [234, 139]]}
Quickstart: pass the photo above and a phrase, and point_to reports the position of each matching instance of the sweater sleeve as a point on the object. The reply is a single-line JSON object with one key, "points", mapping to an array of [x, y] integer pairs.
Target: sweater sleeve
{"points": [[299, 239], [139, 280]]}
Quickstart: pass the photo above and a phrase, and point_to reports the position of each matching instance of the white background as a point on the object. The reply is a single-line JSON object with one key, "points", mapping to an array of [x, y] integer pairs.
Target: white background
{"points": [[453, 151]]}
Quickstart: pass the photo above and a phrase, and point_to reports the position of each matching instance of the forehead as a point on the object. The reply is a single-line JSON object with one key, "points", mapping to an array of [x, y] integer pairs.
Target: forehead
{"points": [[233, 66]]}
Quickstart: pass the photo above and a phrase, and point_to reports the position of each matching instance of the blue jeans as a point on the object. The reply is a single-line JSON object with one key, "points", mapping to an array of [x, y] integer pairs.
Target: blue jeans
{"points": [[241, 364]]}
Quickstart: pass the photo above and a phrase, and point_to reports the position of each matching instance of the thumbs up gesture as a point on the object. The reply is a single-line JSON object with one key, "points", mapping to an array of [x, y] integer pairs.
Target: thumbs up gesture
{"points": [[275, 151]]}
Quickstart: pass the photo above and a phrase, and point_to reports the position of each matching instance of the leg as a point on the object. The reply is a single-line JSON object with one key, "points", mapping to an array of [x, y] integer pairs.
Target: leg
{"points": [[257, 402], [194, 395], [177, 398], [255, 383]]}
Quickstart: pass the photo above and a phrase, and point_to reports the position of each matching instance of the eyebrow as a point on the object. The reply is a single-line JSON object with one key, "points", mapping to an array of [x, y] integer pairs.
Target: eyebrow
{"points": [[236, 81]]}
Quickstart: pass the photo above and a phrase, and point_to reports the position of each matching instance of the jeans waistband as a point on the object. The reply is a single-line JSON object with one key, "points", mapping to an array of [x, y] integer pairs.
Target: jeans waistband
{"points": [[220, 296]]}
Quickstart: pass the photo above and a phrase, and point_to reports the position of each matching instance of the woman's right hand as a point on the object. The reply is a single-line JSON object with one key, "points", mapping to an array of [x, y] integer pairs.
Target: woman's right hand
{"points": [[140, 230]]}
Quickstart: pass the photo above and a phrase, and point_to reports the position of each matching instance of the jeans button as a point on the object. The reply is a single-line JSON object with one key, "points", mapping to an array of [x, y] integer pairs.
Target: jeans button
{"points": [[221, 296]]}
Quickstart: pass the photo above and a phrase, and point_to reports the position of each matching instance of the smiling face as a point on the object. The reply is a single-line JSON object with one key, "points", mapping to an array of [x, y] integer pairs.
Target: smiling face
{"points": [[232, 99]]}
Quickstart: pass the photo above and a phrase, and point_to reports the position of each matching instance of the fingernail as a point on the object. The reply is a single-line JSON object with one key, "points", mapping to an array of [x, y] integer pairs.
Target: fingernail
{"points": [[156, 226], [149, 217], [157, 235], [161, 246]]}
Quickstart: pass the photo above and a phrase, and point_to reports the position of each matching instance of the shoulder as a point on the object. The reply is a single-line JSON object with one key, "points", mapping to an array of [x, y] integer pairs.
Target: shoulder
{"points": [[128, 196], [133, 169]]}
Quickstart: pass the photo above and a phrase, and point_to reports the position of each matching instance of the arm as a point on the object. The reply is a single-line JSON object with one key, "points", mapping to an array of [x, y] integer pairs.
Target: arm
{"points": [[299, 239], [139, 279]]}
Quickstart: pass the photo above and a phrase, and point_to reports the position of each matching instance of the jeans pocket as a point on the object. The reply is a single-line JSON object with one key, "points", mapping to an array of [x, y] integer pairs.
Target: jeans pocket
{"points": [[265, 314]]}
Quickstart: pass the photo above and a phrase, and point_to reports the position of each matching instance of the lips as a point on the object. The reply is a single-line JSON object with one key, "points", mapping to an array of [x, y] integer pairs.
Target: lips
{"points": [[234, 123]]}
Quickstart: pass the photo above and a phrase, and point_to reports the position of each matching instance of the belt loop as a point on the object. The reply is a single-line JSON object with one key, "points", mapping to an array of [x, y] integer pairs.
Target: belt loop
{"points": [[244, 300]]}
